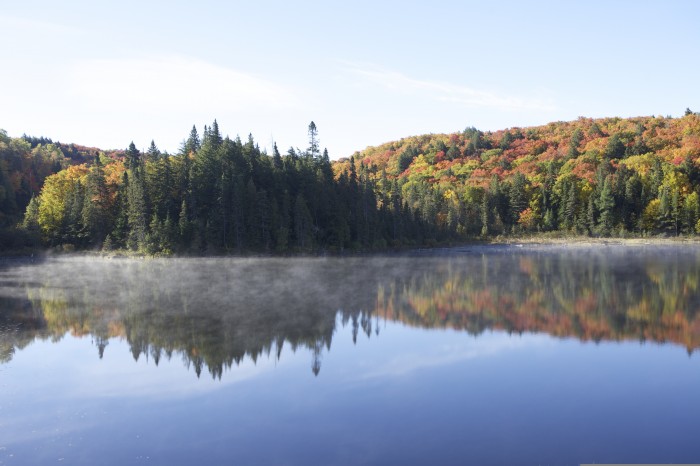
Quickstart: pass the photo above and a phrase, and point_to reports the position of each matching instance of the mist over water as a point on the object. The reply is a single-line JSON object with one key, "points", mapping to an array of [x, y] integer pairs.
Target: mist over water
{"points": [[491, 323]]}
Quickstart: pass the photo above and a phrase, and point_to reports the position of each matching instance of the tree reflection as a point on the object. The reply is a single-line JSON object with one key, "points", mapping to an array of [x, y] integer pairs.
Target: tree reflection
{"points": [[215, 313]]}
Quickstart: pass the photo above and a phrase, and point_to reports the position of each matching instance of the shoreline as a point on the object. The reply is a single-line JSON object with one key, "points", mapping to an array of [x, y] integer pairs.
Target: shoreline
{"points": [[592, 241], [505, 241]]}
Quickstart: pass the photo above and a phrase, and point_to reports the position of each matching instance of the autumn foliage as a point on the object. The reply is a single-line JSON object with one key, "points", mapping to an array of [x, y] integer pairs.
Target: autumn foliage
{"points": [[475, 178], [602, 177]]}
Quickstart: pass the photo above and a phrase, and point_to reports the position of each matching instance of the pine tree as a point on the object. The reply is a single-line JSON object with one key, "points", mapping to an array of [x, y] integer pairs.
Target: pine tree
{"points": [[313, 140], [133, 157], [184, 225], [73, 229], [302, 223], [136, 213], [517, 197], [214, 135], [120, 231], [276, 158], [606, 202], [96, 215], [615, 148], [576, 138], [665, 220], [485, 210], [153, 154], [568, 206], [193, 144], [632, 206], [591, 220], [31, 217]]}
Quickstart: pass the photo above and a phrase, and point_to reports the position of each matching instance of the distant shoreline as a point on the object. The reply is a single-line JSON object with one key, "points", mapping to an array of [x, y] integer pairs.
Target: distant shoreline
{"points": [[592, 241], [505, 241]]}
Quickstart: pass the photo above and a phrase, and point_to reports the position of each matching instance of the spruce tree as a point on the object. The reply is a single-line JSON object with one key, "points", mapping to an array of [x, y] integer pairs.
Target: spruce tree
{"points": [[606, 202], [313, 140], [133, 157], [517, 197], [136, 213], [153, 153], [96, 214], [193, 143]]}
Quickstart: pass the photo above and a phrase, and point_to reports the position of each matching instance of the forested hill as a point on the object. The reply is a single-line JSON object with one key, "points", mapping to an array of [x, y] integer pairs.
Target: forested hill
{"points": [[217, 195], [600, 177], [25, 162], [603, 177]]}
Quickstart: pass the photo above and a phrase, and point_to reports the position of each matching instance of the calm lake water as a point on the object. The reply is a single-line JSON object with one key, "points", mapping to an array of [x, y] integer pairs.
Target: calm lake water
{"points": [[483, 355]]}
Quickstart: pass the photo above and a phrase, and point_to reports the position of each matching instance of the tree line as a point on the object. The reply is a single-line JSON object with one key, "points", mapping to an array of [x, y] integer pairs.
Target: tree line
{"points": [[217, 195], [605, 177], [608, 177]]}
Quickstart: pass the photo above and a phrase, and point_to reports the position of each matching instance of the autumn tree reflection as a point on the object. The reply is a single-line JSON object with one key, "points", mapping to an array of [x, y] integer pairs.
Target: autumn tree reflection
{"points": [[215, 313]]}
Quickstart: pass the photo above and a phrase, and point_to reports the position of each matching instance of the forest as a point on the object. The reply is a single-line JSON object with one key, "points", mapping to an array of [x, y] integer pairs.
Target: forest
{"points": [[217, 195], [598, 177]]}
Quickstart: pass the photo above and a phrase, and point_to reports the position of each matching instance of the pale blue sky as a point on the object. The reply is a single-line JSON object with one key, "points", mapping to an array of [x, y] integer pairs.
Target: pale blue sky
{"points": [[106, 73]]}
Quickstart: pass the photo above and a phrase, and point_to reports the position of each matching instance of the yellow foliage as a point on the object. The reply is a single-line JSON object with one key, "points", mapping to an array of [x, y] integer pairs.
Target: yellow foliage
{"points": [[676, 180], [52, 200], [650, 214], [641, 164]]}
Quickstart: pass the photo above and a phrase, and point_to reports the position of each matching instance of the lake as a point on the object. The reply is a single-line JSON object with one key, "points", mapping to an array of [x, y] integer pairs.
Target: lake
{"points": [[535, 355]]}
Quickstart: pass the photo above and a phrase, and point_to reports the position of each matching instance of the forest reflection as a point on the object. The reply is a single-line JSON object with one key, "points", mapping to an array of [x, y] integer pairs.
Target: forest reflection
{"points": [[214, 313]]}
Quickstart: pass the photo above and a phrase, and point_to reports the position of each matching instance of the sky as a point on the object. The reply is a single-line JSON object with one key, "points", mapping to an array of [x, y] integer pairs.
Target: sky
{"points": [[106, 73]]}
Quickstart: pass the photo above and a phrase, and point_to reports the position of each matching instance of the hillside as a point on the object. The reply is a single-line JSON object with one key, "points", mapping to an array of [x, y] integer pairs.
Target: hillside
{"points": [[25, 163], [216, 195], [601, 177]]}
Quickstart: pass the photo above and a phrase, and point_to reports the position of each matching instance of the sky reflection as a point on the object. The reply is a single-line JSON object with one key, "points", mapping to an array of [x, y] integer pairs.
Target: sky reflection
{"points": [[535, 357]]}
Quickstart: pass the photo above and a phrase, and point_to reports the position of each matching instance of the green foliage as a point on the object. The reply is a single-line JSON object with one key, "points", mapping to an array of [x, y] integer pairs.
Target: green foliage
{"points": [[219, 195], [405, 158], [605, 205], [614, 149]]}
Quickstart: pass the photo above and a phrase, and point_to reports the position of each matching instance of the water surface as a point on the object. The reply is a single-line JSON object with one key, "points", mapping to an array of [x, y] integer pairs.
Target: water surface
{"points": [[483, 355]]}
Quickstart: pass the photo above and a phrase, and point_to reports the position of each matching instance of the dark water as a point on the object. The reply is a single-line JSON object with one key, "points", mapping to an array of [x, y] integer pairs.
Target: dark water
{"points": [[497, 355]]}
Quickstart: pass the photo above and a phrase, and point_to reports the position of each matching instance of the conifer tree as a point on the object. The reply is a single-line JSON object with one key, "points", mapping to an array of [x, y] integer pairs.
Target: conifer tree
{"points": [[517, 197], [31, 217], [605, 207], [313, 140], [193, 142], [153, 153], [96, 208], [302, 223], [136, 212], [133, 157]]}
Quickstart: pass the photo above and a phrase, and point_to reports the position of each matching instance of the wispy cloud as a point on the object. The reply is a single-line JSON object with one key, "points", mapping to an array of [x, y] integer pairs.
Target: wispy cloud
{"points": [[447, 354], [173, 83], [444, 91], [15, 24]]}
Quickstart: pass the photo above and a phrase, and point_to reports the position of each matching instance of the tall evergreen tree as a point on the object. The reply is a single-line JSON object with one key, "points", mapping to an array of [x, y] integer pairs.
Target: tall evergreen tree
{"points": [[606, 202], [193, 142], [96, 214], [153, 153], [517, 197], [133, 157], [313, 140], [302, 224], [136, 213]]}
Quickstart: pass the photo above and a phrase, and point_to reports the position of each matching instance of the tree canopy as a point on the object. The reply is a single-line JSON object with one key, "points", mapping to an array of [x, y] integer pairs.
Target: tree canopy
{"points": [[601, 177]]}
